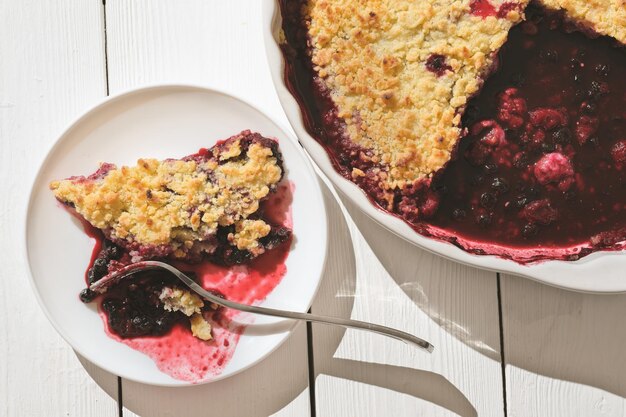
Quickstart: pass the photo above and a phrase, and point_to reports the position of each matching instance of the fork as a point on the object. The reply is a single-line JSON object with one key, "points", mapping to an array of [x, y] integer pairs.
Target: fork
{"points": [[102, 286]]}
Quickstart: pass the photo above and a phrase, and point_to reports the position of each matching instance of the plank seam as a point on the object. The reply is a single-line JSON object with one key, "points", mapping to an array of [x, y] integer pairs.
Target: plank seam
{"points": [[120, 406], [502, 359], [311, 363], [120, 403], [106, 45]]}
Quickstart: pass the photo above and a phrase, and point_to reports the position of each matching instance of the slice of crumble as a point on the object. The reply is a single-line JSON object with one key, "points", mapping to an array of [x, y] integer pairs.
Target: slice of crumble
{"points": [[203, 205]]}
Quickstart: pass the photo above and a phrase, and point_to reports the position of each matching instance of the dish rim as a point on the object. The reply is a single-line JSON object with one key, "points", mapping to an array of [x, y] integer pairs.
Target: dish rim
{"points": [[576, 276], [144, 89]]}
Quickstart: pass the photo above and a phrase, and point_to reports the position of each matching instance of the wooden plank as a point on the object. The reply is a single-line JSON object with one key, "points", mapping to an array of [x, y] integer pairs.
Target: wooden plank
{"points": [[392, 282], [219, 44], [211, 43], [564, 351], [52, 68]]}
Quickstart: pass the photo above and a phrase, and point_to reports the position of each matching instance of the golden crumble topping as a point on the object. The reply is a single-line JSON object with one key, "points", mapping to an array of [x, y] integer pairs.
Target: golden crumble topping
{"points": [[200, 328], [178, 203], [607, 17], [247, 234], [190, 304], [372, 56], [175, 299]]}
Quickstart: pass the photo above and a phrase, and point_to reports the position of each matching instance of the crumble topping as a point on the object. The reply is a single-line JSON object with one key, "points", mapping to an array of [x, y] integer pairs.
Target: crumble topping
{"points": [[377, 57], [247, 234], [190, 304], [176, 204], [176, 299], [606, 17], [200, 328]]}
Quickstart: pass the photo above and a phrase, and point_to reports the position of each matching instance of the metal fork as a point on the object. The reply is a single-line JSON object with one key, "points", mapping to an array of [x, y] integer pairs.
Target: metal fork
{"points": [[102, 286]]}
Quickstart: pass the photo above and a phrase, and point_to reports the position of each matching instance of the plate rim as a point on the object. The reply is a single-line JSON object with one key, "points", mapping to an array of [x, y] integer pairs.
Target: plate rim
{"points": [[24, 221], [545, 272]]}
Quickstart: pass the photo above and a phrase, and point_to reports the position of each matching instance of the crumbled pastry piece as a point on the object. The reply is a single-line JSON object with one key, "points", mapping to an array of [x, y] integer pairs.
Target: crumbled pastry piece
{"points": [[400, 73], [200, 328], [190, 304], [176, 299], [247, 235], [175, 207], [606, 17]]}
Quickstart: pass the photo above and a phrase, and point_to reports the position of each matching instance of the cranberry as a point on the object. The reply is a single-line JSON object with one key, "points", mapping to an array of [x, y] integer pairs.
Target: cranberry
{"points": [[555, 168], [540, 211]]}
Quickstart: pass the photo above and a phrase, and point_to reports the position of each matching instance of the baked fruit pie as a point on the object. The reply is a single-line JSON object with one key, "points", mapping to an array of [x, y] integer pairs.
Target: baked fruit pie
{"points": [[499, 126], [204, 207]]}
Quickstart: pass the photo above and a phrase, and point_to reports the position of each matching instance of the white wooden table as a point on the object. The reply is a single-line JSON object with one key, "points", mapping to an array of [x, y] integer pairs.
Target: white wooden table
{"points": [[505, 346]]}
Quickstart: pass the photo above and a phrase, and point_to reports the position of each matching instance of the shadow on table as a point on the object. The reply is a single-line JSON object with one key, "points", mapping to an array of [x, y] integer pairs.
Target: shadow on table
{"points": [[257, 391], [565, 335], [336, 294], [548, 331], [462, 300]]}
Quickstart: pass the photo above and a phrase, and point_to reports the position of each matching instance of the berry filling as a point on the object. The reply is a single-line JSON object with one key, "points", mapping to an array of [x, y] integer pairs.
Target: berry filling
{"points": [[550, 125], [226, 213], [541, 171]]}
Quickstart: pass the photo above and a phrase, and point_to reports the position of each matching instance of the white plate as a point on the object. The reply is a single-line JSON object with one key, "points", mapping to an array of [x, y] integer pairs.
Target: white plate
{"points": [[601, 272], [160, 122]]}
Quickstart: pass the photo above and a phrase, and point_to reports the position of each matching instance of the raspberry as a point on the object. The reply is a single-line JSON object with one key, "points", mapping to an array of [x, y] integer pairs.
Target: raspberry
{"points": [[555, 168], [548, 119], [512, 109]]}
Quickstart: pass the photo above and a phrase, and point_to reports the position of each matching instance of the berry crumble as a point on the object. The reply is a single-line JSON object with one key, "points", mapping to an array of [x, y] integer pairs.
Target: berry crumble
{"points": [[209, 207], [498, 126]]}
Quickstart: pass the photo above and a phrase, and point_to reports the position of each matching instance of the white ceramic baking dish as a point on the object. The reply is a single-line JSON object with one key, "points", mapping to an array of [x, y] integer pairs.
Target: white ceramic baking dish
{"points": [[600, 272]]}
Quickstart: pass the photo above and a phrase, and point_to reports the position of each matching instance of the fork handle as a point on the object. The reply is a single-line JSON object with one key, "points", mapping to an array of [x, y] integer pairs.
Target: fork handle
{"points": [[337, 321]]}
